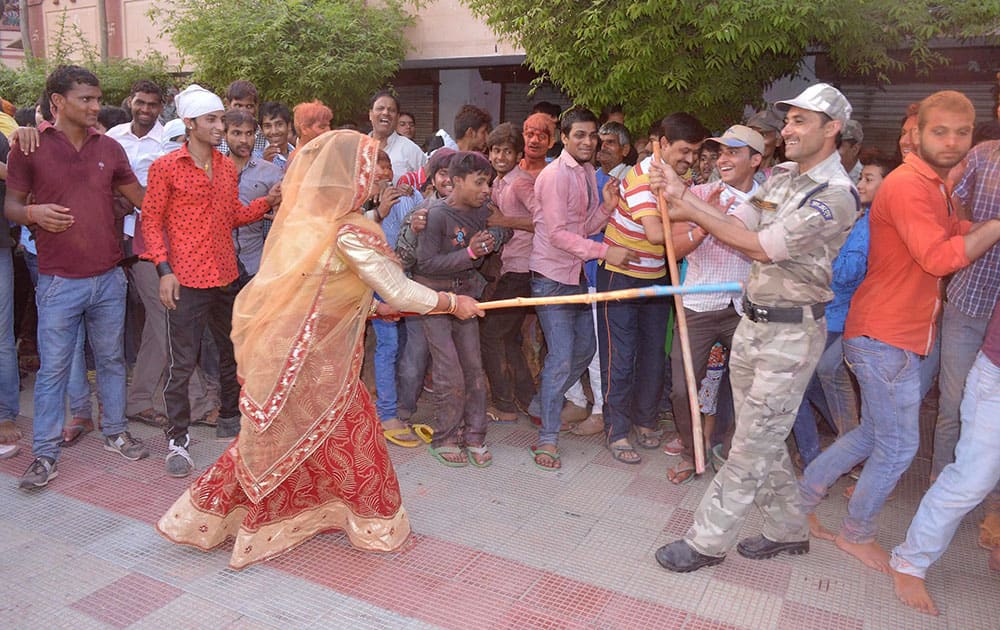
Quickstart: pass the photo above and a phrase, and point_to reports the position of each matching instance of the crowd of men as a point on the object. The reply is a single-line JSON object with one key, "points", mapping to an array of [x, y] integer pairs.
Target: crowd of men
{"points": [[844, 254]]}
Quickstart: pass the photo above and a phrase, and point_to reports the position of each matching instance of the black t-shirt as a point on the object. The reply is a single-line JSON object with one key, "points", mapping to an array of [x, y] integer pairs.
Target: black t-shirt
{"points": [[6, 241]]}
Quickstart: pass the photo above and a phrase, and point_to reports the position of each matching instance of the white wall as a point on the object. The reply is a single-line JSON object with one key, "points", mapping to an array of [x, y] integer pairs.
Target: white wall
{"points": [[461, 86]]}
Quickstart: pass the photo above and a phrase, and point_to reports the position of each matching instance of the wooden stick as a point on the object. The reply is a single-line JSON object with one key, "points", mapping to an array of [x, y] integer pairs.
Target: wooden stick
{"points": [[692, 387], [607, 296]]}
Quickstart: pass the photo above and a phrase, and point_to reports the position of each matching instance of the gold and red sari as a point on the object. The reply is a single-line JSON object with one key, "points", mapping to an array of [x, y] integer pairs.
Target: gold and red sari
{"points": [[310, 456]]}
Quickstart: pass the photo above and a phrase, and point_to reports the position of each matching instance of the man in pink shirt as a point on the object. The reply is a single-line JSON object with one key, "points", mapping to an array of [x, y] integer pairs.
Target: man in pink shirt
{"points": [[569, 209]]}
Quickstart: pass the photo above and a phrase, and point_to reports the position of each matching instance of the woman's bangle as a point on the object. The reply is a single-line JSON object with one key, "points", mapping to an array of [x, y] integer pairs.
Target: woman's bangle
{"points": [[691, 235], [373, 309], [471, 253], [452, 303]]}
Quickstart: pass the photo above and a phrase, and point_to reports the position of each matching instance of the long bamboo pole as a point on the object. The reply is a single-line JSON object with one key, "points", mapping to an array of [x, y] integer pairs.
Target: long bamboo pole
{"points": [[607, 296], [675, 278]]}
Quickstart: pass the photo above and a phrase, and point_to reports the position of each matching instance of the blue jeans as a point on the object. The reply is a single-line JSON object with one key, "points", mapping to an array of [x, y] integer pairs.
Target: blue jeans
{"points": [[887, 437], [412, 367], [386, 350], [962, 485], [961, 337], [632, 338], [78, 388], [830, 390], [63, 303], [571, 343], [10, 383], [838, 388]]}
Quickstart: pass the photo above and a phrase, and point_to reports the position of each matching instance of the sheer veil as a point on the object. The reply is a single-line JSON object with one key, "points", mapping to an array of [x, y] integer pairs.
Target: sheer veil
{"points": [[298, 325]]}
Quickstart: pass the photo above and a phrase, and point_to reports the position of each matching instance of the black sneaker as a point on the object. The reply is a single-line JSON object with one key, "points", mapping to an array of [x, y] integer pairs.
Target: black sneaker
{"points": [[129, 447], [679, 557], [760, 548], [227, 428], [179, 462], [39, 474]]}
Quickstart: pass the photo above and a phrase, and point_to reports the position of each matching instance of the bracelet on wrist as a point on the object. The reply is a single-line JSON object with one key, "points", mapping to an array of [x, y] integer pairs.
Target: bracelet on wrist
{"points": [[471, 252], [373, 309], [27, 209], [452, 303], [691, 235]]}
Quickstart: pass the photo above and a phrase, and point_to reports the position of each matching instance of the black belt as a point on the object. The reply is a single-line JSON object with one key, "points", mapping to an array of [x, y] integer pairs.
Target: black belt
{"points": [[780, 314]]}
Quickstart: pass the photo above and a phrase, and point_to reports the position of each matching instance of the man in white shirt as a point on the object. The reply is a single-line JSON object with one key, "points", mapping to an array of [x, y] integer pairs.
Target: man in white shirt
{"points": [[383, 114], [711, 317]]}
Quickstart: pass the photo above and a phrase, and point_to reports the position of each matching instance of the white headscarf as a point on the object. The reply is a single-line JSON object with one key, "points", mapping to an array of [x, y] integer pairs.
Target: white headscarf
{"points": [[196, 101]]}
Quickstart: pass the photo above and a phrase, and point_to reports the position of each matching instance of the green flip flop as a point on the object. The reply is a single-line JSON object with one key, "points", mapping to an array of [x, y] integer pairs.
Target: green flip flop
{"points": [[437, 453], [480, 451], [535, 452]]}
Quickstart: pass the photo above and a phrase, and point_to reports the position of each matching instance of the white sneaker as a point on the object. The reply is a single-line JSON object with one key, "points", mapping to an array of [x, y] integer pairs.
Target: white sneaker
{"points": [[9, 450]]}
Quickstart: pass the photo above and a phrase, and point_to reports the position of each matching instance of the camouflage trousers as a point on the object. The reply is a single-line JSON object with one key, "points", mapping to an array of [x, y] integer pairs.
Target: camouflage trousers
{"points": [[769, 368]]}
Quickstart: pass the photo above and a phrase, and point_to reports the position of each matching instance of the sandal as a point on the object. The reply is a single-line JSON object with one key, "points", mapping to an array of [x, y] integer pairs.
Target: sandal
{"points": [[401, 437], [501, 417], [674, 447], [650, 439], [849, 492], [682, 473], [75, 430], [540, 452], [423, 431], [477, 454], [718, 459], [210, 419], [439, 452], [618, 452], [565, 427], [153, 419]]}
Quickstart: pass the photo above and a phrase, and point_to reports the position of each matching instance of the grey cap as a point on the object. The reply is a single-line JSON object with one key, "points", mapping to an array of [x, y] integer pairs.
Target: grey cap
{"points": [[821, 97], [766, 120], [852, 132]]}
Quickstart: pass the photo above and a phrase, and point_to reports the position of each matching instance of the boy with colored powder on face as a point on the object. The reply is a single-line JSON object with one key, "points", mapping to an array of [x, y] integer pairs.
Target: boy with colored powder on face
{"points": [[500, 333], [449, 252]]}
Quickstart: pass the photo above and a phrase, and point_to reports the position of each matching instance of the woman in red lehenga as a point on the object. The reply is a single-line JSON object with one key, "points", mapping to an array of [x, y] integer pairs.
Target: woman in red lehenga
{"points": [[310, 456]]}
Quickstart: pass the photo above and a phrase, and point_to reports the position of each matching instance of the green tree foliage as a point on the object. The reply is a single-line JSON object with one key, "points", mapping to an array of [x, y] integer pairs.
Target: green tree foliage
{"points": [[713, 57], [340, 51], [23, 86]]}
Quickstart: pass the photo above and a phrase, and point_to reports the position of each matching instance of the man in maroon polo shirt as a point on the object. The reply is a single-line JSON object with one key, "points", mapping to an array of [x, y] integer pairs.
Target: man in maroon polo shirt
{"points": [[192, 201], [72, 177]]}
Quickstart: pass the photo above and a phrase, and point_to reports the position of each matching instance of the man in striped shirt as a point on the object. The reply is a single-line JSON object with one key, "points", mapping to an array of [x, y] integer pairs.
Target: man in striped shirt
{"points": [[632, 333]]}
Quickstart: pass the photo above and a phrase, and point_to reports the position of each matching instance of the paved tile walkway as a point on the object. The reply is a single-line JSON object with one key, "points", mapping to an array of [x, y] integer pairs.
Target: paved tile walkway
{"points": [[505, 547]]}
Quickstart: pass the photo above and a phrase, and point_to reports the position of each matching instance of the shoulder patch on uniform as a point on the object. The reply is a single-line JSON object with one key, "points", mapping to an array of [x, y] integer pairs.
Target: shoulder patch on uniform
{"points": [[823, 209]]}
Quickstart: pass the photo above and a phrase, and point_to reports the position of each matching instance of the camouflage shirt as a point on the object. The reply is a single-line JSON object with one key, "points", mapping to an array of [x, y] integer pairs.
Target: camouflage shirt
{"points": [[801, 221]]}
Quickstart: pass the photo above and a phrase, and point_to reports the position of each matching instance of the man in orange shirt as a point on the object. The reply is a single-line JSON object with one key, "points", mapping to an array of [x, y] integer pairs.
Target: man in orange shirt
{"points": [[917, 239]]}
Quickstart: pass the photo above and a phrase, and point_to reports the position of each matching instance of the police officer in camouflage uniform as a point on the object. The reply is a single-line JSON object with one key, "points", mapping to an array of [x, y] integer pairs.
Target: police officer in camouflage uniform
{"points": [[792, 229]]}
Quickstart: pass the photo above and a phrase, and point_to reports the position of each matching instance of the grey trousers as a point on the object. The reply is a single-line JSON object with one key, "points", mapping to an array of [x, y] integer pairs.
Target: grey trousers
{"points": [[149, 375]]}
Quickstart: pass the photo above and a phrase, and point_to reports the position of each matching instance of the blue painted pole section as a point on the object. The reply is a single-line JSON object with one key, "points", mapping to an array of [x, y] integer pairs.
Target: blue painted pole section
{"points": [[718, 287]]}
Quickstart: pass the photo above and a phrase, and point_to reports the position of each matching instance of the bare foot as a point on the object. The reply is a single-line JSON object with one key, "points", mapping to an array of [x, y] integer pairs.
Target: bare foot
{"points": [[818, 531], [9, 433], [912, 591], [994, 561], [871, 554]]}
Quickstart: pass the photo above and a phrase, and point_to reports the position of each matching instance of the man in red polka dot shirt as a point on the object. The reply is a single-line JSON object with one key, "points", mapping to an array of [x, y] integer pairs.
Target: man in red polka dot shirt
{"points": [[189, 213]]}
